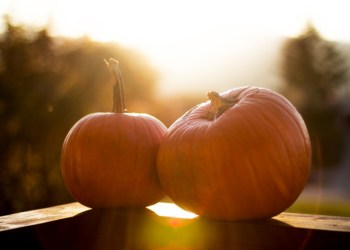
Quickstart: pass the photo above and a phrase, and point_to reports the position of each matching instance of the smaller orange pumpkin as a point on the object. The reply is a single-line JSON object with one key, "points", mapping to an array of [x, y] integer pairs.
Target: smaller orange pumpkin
{"points": [[244, 155], [109, 159]]}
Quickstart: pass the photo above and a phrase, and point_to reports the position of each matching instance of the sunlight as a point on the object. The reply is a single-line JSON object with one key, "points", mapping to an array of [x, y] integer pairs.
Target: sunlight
{"points": [[171, 210], [193, 44], [144, 24], [155, 23], [332, 19]]}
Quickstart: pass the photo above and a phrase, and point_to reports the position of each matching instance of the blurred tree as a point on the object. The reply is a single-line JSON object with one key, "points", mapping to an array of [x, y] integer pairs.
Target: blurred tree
{"points": [[46, 85], [313, 72]]}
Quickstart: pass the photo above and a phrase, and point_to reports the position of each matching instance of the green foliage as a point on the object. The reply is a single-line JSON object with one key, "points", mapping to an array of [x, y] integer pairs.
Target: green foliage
{"points": [[314, 71], [46, 85]]}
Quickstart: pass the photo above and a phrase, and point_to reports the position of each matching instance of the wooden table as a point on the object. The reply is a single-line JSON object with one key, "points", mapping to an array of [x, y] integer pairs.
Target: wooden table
{"points": [[74, 226]]}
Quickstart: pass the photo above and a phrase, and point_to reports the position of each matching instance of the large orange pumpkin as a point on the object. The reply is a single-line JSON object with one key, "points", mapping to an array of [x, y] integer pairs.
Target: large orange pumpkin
{"points": [[244, 155], [109, 159]]}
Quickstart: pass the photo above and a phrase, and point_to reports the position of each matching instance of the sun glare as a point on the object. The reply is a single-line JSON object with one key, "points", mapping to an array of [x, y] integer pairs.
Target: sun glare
{"points": [[190, 42], [171, 210], [332, 19], [155, 23]]}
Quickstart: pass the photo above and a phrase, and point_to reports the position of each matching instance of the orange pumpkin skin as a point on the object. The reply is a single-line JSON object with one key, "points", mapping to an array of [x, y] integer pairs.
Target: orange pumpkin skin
{"points": [[251, 162], [109, 160]]}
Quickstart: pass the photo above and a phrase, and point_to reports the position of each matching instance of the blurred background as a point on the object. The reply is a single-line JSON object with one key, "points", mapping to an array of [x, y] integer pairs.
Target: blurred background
{"points": [[171, 54]]}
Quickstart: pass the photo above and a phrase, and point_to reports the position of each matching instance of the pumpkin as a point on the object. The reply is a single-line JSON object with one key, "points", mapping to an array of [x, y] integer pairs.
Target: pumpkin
{"points": [[109, 159], [245, 154]]}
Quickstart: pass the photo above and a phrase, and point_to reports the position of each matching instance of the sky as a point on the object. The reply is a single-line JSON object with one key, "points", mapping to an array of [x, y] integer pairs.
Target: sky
{"points": [[196, 46]]}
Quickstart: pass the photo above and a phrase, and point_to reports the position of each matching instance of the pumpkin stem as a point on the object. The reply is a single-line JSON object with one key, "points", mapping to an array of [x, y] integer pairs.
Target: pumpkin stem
{"points": [[219, 105], [118, 87]]}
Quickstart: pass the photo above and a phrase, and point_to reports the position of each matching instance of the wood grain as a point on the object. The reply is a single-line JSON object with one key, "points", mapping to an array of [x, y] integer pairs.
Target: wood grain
{"points": [[34, 217], [44, 215]]}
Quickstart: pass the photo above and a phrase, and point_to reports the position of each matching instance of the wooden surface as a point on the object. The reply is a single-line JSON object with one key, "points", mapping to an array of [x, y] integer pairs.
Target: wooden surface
{"points": [[305, 221], [74, 226], [39, 216], [317, 222]]}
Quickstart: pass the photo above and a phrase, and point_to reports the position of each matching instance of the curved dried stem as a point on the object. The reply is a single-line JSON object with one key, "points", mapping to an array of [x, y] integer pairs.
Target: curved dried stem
{"points": [[118, 87]]}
